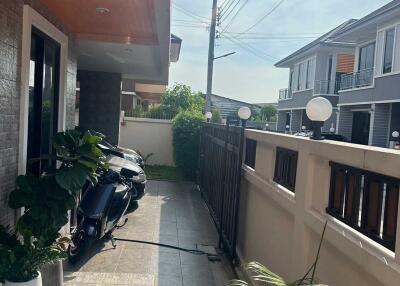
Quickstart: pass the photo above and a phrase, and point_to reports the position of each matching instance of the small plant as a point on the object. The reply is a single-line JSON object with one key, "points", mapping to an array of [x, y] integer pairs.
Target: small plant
{"points": [[262, 274], [36, 241], [186, 140], [216, 116]]}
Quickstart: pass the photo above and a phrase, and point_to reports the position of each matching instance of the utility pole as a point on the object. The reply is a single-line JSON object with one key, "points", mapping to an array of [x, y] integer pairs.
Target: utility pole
{"points": [[211, 55]]}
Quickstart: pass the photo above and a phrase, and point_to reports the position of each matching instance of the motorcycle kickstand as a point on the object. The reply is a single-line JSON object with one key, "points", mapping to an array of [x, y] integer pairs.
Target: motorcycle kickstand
{"points": [[113, 242], [124, 223]]}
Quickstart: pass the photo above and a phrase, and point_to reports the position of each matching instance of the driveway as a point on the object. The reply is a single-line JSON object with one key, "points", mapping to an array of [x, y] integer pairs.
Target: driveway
{"points": [[170, 213]]}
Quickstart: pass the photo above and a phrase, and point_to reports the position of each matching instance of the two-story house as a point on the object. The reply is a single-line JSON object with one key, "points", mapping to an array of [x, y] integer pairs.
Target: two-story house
{"points": [[369, 96], [315, 70]]}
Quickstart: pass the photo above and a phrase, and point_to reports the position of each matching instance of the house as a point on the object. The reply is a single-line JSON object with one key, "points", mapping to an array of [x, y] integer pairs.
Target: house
{"points": [[315, 70], [369, 96], [46, 46], [228, 106]]}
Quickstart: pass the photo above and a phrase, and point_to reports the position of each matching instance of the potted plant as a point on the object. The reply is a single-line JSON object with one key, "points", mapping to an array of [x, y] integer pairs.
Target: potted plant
{"points": [[35, 241]]}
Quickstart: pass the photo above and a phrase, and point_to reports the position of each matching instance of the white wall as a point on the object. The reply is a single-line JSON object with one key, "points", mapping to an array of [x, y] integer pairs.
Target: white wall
{"points": [[149, 136], [282, 229]]}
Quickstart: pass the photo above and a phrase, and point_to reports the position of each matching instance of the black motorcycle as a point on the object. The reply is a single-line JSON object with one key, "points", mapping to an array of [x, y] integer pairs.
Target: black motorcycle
{"points": [[100, 210]]}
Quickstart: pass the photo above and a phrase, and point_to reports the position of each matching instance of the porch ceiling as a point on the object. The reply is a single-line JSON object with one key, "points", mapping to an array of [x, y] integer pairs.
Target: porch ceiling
{"points": [[128, 21], [131, 37]]}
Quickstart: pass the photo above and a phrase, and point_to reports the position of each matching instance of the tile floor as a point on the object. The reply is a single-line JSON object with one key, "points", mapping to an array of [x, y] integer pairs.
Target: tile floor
{"points": [[170, 213]]}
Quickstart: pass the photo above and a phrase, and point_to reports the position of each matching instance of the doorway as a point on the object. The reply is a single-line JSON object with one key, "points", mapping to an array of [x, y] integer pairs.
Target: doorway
{"points": [[360, 130], [43, 99]]}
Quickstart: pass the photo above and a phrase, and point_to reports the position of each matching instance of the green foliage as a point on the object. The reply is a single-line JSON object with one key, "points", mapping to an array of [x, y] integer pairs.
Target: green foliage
{"points": [[181, 98], [186, 139], [266, 114], [261, 274], [46, 201], [216, 116], [168, 173]]}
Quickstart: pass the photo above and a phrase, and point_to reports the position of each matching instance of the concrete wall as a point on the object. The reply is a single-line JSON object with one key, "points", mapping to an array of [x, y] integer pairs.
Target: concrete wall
{"points": [[100, 103], [282, 229], [10, 81], [149, 136]]}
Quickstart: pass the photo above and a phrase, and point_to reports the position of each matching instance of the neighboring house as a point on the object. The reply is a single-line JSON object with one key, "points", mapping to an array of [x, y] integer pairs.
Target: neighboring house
{"points": [[369, 96], [45, 45], [315, 70], [274, 104], [228, 106]]}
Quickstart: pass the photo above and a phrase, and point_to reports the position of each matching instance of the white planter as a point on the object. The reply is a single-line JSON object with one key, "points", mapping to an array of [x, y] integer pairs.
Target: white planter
{"points": [[35, 282]]}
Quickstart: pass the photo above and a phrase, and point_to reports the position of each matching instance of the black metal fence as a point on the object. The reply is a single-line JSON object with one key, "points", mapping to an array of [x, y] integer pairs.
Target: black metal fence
{"points": [[366, 201], [221, 150]]}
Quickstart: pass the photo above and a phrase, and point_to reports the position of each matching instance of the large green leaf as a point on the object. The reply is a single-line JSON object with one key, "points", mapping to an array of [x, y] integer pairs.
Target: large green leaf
{"points": [[72, 178]]}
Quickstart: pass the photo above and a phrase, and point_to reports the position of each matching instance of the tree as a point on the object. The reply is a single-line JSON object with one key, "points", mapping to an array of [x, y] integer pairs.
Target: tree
{"points": [[180, 97], [216, 116], [268, 112]]}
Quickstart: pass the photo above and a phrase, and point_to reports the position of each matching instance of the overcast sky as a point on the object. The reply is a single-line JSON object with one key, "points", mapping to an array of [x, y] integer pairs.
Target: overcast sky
{"points": [[249, 75]]}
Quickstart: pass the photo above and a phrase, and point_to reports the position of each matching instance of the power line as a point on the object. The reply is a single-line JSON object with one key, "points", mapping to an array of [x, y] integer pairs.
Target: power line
{"points": [[273, 38], [265, 16], [228, 9], [191, 14], [234, 16], [272, 34]]}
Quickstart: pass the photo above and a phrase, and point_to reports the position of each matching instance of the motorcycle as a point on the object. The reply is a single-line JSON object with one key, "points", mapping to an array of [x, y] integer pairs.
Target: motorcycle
{"points": [[100, 210], [128, 154], [138, 180]]}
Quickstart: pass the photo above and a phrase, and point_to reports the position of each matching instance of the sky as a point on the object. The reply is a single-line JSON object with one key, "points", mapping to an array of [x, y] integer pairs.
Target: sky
{"points": [[250, 75]]}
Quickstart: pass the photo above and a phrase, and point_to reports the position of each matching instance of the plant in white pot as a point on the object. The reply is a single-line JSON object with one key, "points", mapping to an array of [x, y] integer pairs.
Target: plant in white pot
{"points": [[35, 241]]}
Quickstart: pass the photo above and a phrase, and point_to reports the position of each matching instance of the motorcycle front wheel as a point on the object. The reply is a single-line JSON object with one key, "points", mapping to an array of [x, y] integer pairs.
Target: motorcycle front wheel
{"points": [[78, 250]]}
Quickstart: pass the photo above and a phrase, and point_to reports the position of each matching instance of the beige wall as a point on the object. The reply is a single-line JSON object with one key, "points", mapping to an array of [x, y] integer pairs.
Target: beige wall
{"points": [[282, 230], [149, 136]]}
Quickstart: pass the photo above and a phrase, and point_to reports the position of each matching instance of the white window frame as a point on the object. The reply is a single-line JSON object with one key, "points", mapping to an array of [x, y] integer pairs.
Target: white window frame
{"points": [[396, 27], [301, 83], [32, 18]]}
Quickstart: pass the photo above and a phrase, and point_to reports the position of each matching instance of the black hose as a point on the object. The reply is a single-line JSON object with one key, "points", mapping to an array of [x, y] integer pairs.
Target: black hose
{"points": [[192, 251]]}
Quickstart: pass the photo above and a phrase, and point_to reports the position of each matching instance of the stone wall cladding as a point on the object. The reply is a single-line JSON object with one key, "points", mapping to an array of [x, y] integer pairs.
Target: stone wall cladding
{"points": [[11, 12]]}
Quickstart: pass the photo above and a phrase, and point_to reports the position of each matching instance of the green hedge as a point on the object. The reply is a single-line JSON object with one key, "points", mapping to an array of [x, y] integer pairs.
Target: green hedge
{"points": [[186, 139]]}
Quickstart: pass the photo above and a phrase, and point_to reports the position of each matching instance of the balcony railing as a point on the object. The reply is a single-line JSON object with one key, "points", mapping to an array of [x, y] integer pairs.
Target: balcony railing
{"points": [[358, 79], [326, 87], [285, 94]]}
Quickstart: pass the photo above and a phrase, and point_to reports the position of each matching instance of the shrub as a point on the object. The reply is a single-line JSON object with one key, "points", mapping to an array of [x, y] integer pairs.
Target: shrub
{"points": [[186, 139], [216, 116]]}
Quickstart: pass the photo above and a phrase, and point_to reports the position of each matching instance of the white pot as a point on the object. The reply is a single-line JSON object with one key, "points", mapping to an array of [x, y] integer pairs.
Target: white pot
{"points": [[35, 282]]}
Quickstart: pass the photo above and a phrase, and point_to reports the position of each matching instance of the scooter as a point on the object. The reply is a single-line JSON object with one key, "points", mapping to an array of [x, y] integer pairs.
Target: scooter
{"points": [[100, 210]]}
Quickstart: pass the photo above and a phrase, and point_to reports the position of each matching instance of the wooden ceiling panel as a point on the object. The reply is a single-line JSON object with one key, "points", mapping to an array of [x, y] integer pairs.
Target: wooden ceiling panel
{"points": [[128, 21]]}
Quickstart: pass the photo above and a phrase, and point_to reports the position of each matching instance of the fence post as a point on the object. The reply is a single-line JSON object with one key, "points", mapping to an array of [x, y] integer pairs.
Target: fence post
{"points": [[238, 182], [220, 232]]}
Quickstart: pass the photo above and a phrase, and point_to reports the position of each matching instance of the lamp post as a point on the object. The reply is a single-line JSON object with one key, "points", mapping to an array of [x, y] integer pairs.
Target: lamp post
{"points": [[208, 116], [244, 114], [318, 110]]}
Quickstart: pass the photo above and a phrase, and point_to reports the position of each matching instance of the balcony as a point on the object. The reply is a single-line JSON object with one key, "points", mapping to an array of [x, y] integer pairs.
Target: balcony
{"points": [[362, 78], [330, 87], [285, 93]]}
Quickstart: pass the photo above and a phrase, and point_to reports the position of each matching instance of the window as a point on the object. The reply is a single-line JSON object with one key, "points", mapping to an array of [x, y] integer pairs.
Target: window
{"points": [[366, 57], [366, 201], [43, 99], [310, 66], [303, 73], [298, 77], [388, 52], [286, 168]]}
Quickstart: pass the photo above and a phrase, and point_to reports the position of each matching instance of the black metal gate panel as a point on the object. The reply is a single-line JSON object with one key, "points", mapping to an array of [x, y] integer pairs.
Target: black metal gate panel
{"points": [[219, 178]]}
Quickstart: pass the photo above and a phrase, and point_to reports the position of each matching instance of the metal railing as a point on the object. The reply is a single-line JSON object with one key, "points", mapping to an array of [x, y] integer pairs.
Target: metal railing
{"points": [[285, 94], [326, 87], [151, 114], [358, 79]]}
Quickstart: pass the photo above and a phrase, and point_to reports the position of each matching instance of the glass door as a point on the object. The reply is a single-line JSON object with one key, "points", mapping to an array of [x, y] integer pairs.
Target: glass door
{"points": [[43, 99]]}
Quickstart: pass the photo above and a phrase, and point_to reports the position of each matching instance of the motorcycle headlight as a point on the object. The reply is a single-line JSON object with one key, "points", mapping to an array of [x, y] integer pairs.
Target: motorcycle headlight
{"points": [[139, 178]]}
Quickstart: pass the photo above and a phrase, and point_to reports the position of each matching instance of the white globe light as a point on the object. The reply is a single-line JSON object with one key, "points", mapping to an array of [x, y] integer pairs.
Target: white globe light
{"points": [[303, 127], [332, 130], [395, 134], [319, 109], [208, 115], [244, 113], [287, 126]]}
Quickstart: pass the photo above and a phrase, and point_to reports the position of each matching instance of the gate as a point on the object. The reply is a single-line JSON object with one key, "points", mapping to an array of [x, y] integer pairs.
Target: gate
{"points": [[221, 152]]}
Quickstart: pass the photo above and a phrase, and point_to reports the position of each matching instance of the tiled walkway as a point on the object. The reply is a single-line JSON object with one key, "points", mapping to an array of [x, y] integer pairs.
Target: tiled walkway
{"points": [[170, 213]]}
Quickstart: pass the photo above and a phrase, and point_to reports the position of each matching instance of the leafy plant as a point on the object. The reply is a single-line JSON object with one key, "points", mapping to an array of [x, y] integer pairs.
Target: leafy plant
{"points": [[186, 139], [181, 98], [46, 200], [216, 116], [261, 273]]}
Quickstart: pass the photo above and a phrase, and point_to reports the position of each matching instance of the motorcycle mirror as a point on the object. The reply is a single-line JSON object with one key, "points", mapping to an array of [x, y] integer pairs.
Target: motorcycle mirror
{"points": [[127, 173]]}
